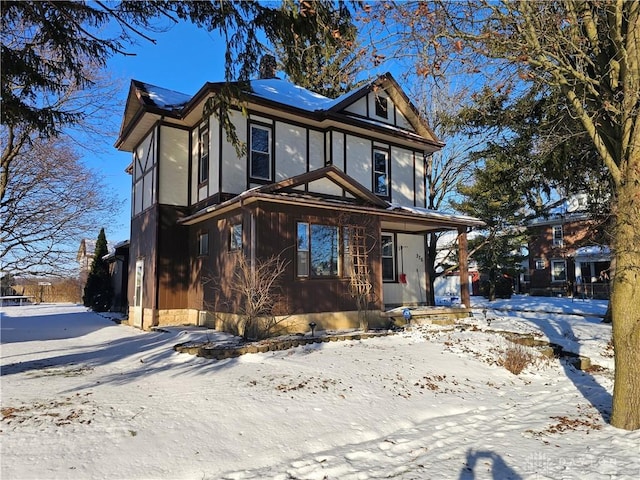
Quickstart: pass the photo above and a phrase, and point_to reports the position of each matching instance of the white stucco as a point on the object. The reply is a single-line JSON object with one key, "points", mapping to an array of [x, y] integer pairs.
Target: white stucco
{"points": [[173, 166]]}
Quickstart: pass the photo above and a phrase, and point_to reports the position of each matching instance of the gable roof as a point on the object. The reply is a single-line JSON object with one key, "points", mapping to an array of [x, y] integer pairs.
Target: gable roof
{"points": [[276, 93]]}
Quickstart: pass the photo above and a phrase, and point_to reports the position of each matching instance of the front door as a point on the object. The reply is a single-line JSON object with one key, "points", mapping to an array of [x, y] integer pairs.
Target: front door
{"points": [[137, 294]]}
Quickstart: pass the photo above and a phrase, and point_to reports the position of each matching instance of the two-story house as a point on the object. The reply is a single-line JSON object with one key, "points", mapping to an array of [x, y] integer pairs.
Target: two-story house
{"points": [[330, 185], [564, 259]]}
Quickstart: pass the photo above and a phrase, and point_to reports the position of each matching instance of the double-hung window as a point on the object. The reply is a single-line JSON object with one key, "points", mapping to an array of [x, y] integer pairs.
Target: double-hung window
{"points": [[260, 152], [203, 156], [381, 172], [557, 235], [318, 250], [388, 257]]}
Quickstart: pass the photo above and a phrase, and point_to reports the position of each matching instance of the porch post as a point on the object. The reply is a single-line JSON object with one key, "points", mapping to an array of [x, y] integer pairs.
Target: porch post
{"points": [[464, 266]]}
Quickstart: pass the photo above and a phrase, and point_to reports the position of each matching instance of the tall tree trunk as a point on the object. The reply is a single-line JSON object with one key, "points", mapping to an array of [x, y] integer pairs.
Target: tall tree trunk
{"points": [[625, 301]]}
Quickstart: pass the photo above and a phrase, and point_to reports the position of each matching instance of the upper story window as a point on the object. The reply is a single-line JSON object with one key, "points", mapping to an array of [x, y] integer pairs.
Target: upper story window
{"points": [[381, 172], [203, 156], [539, 263], [203, 244], [558, 239], [388, 257], [235, 242], [260, 152], [381, 107]]}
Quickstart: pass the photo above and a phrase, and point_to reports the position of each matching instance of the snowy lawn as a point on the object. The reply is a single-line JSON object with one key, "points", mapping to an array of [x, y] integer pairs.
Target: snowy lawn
{"points": [[85, 398]]}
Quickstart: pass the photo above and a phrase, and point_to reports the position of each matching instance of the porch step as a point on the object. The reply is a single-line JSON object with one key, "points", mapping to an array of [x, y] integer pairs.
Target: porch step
{"points": [[428, 315]]}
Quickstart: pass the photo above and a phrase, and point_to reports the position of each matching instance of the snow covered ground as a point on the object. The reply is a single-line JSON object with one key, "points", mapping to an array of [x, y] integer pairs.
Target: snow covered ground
{"points": [[85, 398]]}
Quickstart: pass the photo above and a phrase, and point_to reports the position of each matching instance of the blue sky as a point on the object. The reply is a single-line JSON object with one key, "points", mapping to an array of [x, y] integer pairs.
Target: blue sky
{"points": [[183, 59]]}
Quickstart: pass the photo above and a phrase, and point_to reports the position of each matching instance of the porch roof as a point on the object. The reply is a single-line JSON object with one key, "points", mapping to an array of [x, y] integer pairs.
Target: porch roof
{"points": [[393, 216]]}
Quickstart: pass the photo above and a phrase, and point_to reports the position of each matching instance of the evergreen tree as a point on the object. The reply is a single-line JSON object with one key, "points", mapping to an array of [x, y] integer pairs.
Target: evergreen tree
{"points": [[493, 199], [325, 64], [98, 291]]}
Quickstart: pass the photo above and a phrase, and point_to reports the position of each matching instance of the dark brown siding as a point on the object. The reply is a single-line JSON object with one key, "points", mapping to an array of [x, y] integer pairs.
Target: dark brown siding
{"points": [[276, 234], [173, 259], [143, 245]]}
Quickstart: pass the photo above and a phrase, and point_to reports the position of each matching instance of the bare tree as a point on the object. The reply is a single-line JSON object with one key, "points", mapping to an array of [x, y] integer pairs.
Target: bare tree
{"points": [[588, 52], [49, 200]]}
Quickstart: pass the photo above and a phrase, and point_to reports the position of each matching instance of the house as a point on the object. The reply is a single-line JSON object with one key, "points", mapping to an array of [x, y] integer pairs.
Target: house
{"points": [[118, 262], [334, 187], [564, 256]]}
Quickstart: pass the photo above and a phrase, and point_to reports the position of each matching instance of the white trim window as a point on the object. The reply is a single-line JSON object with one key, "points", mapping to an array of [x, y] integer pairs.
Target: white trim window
{"points": [[388, 257], [539, 263], [260, 152], [558, 271], [558, 238]]}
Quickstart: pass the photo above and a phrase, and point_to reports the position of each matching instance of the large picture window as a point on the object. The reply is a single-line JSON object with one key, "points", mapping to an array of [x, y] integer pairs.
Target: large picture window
{"points": [[203, 156], [318, 250], [388, 257], [381, 172], [260, 152]]}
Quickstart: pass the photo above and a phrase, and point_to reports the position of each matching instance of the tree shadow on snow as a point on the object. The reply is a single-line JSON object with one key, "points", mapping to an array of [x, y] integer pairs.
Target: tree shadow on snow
{"points": [[560, 332], [499, 469]]}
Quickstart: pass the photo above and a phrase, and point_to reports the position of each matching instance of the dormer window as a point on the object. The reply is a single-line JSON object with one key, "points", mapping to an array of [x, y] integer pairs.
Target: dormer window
{"points": [[381, 107], [260, 153]]}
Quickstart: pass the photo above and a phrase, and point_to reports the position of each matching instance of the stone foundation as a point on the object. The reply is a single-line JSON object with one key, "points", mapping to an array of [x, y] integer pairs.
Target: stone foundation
{"points": [[231, 323]]}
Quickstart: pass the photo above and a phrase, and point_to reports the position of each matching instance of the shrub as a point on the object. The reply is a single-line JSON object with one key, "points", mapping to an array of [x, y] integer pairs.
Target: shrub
{"points": [[516, 358]]}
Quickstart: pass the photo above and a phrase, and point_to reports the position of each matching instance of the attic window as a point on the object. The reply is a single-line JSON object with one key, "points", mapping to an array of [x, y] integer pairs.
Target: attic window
{"points": [[381, 107]]}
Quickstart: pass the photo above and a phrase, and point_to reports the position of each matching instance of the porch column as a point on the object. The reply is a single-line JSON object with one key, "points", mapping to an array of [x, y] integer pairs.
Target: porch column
{"points": [[463, 253]]}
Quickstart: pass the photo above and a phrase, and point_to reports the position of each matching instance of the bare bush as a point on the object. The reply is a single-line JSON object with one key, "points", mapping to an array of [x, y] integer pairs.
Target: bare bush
{"points": [[516, 358], [257, 285]]}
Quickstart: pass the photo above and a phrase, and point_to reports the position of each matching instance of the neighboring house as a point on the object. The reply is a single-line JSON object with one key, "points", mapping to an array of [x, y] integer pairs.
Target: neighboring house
{"points": [[564, 259], [331, 186], [84, 257], [118, 261]]}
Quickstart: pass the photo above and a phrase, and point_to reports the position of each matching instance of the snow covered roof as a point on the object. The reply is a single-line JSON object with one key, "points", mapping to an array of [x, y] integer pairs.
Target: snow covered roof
{"points": [[147, 98], [161, 97], [285, 92], [435, 215], [593, 253]]}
